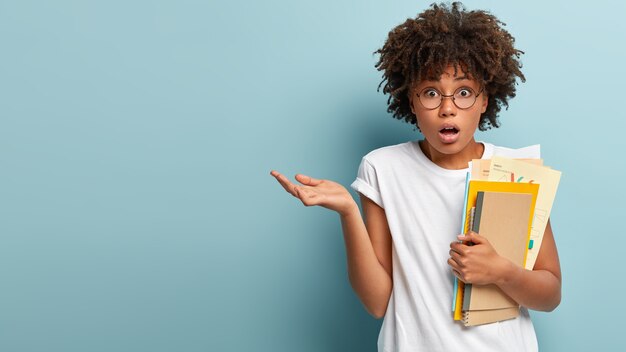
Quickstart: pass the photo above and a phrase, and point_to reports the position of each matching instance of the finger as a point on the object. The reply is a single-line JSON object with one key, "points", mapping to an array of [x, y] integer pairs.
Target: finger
{"points": [[452, 263], [471, 236], [456, 257], [308, 180], [457, 274], [476, 238], [454, 266], [464, 238], [284, 181], [457, 247]]}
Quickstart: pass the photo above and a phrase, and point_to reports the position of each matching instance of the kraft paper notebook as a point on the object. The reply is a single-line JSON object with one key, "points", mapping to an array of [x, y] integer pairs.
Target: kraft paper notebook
{"points": [[473, 188], [479, 317], [505, 220]]}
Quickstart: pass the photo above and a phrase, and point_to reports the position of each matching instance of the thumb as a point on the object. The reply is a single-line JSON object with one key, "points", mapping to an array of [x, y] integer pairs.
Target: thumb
{"points": [[473, 237], [307, 180]]}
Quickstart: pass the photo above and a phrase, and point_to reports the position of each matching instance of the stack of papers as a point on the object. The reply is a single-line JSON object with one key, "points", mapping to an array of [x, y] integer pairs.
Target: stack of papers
{"points": [[508, 201]]}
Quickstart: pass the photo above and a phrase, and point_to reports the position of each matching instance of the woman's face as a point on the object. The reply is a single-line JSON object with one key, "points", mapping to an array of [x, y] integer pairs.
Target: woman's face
{"points": [[449, 126]]}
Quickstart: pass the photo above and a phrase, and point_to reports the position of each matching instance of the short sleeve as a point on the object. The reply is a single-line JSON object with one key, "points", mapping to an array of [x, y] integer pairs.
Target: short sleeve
{"points": [[366, 182]]}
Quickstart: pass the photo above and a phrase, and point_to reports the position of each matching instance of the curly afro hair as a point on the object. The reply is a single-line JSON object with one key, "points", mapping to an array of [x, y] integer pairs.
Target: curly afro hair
{"points": [[444, 35]]}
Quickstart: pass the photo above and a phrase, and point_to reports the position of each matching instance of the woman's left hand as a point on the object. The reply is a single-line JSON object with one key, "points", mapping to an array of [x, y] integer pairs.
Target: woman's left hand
{"points": [[476, 264]]}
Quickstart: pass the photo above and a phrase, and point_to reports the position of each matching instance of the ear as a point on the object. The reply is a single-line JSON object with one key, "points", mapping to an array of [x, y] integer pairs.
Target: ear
{"points": [[483, 108]]}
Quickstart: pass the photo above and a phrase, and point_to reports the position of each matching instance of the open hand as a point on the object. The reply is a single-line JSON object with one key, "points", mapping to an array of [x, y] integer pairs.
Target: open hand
{"points": [[476, 264], [325, 193]]}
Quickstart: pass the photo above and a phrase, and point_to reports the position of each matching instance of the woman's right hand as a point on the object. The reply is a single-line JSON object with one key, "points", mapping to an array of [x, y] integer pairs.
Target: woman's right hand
{"points": [[325, 193]]}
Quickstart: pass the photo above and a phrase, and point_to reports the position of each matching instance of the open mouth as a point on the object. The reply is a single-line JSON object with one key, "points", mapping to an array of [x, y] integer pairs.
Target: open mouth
{"points": [[448, 131], [448, 134]]}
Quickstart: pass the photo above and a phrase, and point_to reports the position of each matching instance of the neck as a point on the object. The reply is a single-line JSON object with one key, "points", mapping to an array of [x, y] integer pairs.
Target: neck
{"points": [[456, 161]]}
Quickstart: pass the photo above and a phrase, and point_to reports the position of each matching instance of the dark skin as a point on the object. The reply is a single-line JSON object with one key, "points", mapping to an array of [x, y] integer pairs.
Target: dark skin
{"points": [[421, 49], [538, 289], [368, 241], [369, 252]]}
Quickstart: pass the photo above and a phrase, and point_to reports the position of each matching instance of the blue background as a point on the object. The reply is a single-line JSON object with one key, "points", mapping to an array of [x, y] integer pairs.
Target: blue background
{"points": [[137, 212]]}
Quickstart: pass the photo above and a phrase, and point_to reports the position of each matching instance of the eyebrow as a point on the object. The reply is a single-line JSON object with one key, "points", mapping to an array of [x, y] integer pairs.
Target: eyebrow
{"points": [[462, 78]]}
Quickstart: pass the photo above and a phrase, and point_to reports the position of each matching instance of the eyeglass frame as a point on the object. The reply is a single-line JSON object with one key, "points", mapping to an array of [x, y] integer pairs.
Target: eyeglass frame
{"points": [[450, 96]]}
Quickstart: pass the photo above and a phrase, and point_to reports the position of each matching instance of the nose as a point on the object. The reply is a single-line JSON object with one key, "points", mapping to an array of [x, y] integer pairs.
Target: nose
{"points": [[447, 107]]}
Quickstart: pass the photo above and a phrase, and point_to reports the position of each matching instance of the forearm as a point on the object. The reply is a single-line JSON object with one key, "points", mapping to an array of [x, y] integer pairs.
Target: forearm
{"points": [[368, 277], [534, 289]]}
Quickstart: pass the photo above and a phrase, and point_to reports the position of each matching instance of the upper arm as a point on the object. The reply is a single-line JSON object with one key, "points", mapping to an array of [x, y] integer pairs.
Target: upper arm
{"points": [[378, 230], [548, 257]]}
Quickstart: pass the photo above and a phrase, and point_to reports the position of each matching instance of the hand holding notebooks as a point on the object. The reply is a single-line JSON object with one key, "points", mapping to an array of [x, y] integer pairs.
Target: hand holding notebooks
{"points": [[474, 309], [504, 220], [474, 187]]}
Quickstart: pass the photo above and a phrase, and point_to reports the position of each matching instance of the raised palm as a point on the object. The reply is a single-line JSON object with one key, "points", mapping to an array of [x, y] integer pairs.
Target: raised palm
{"points": [[325, 193]]}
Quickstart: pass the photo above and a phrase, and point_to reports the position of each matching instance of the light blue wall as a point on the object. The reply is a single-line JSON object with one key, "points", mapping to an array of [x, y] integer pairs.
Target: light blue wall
{"points": [[136, 138]]}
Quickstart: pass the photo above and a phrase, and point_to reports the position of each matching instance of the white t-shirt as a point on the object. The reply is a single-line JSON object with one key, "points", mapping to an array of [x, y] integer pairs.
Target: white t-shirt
{"points": [[423, 204]]}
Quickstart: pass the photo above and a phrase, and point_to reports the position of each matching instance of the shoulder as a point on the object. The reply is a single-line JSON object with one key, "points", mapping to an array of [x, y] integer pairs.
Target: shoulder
{"points": [[391, 153]]}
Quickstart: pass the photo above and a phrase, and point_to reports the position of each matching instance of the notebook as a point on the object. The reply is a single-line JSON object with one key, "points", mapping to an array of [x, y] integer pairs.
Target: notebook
{"points": [[474, 187], [505, 220], [479, 317]]}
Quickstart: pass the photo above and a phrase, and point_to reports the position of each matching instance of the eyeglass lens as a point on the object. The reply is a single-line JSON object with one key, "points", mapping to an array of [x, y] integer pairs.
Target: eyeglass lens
{"points": [[463, 98]]}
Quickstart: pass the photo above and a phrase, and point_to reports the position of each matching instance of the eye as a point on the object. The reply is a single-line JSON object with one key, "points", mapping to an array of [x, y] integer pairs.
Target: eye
{"points": [[465, 93], [429, 93]]}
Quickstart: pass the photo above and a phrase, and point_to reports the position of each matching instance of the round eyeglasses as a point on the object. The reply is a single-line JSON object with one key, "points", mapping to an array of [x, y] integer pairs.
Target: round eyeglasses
{"points": [[463, 98]]}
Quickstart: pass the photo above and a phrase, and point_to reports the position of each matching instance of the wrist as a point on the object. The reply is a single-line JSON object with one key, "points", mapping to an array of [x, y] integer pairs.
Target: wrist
{"points": [[349, 210], [507, 273]]}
